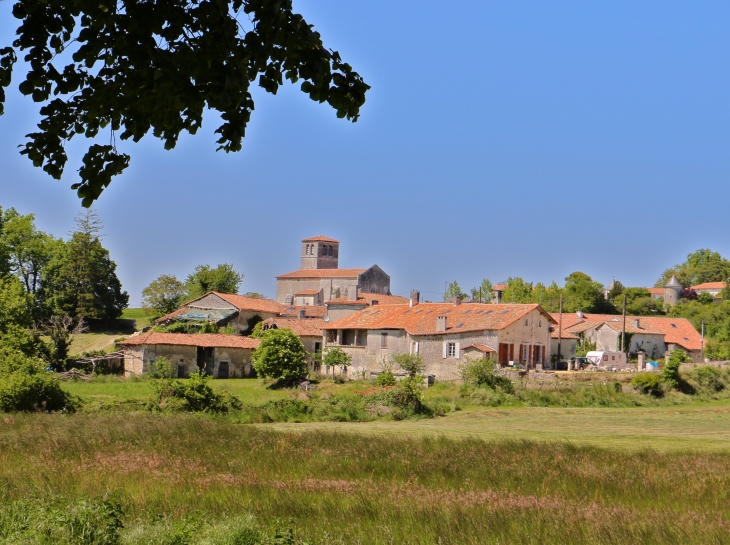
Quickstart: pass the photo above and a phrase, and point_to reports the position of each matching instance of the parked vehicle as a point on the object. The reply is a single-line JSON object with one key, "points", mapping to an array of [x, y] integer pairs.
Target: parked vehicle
{"points": [[603, 358]]}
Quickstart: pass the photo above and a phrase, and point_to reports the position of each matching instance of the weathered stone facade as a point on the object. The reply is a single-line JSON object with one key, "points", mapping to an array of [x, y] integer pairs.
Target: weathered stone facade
{"points": [[442, 353], [185, 360]]}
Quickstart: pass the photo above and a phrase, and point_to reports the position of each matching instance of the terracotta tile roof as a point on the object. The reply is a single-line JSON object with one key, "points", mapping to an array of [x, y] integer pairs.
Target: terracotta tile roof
{"points": [[310, 311], [481, 347], [676, 330], [656, 291], [709, 286], [366, 298], [319, 238], [183, 339], [645, 327], [308, 327], [307, 292], [323, 273], [251, 303], [563, 334], [421, 319]]}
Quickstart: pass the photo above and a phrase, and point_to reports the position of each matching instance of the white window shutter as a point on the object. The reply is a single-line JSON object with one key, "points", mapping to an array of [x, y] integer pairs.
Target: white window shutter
{"points": [[458, 350], [445, 348]]}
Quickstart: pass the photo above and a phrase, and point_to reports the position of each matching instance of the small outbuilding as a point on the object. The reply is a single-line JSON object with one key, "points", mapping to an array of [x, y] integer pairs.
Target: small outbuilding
{"points": [[221, 356]]}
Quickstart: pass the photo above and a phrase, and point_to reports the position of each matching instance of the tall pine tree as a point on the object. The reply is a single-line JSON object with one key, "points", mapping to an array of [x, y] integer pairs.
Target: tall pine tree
{"points": [[81, 281]]}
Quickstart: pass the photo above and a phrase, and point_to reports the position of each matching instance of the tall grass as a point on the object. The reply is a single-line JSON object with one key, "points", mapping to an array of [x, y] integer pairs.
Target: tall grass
{"points": [[166, 471]]}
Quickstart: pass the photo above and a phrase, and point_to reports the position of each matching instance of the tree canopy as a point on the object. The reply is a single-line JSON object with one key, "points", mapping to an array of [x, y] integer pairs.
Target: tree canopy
{"points": [[129, 67], [222, 278], [281, 355], [163, 295], [701, 266], [453, 290]]}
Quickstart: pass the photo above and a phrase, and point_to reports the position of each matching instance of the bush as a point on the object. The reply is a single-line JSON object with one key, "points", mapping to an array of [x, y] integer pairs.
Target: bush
{"points": [[670, 373], [386, 378], [709, 378], [281, 355], [25, 385], [648, 383], [192, 395], [480, 373], [413, 365]]}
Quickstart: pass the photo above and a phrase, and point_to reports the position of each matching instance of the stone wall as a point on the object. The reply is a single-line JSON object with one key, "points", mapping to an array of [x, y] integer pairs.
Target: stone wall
{"points": [[185, 359], [374, 280]]}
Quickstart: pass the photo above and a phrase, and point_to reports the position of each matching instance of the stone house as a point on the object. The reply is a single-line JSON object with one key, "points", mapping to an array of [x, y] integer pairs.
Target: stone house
{"points": [[568, 344], [226, 309], [221, 356], [655, 335], [440, 333], [320, 279], [713, 288]]}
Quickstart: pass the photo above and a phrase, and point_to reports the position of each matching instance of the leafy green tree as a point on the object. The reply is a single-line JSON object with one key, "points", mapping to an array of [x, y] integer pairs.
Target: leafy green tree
{"points": [[254, 295], [583, 293], [518, 291], [81, 280], [453, 290], [223, 278], [281, 355], [701, 266], [336, 357], [16, 318], [670, 372], [163, 295], [483, 292], [705, 298], [410, 363], [180, 58], [29, 250]]}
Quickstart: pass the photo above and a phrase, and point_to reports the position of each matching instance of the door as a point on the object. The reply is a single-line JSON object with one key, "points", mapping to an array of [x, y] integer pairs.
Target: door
{"points": [[503, 353], [223, 369]]}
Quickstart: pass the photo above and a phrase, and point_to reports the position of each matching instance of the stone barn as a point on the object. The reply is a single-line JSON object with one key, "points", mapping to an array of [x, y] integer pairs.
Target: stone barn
{"points": [[220, 356]]}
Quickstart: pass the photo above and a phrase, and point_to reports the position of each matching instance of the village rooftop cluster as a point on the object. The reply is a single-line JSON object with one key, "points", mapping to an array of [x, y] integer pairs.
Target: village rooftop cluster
{"points": [[354, 310]]}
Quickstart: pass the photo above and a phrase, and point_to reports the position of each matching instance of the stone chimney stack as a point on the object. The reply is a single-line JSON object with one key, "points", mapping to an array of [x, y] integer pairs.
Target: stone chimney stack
{"points": [[415, 297], [352, 293], [440, 324], [636, 322], [302, 312], [457, 300], [580, 314]]}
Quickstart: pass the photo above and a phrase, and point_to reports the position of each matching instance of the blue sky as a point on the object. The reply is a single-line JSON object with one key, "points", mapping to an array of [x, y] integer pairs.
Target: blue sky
{"points": [[499, 139]]}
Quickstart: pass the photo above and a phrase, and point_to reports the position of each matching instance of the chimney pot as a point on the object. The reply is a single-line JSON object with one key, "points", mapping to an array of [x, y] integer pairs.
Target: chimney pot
{"points": [[636, 322], [457, 301], [302, 313], [440, 323], [415, 297]]}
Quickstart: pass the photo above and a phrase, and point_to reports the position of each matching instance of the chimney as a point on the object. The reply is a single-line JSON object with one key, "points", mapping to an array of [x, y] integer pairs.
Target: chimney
{"points": [[373, 302], [440, 324], [352, 293], [580, 314], [415, 297], [636, 322], [302, 312], [457, 300]]}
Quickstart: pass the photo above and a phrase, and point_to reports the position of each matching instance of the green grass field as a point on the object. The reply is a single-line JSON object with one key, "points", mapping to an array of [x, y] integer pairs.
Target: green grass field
{"points": [[177, 478], [647, 474], [138, 315]]}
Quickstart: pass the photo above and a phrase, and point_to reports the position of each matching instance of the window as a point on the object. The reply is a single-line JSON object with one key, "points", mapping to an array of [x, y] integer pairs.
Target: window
{"points": [[383, 340], [526, 321], [330, 251], [451, 350], [525, 352], [539, 323], [605, 357]]}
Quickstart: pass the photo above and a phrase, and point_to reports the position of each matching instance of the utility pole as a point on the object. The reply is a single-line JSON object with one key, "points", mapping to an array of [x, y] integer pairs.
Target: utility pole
{"points": [[702, 343], [560, 329], [623, 329]]}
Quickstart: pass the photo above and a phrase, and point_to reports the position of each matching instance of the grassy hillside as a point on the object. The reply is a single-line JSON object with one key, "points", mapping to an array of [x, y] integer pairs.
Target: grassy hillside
{"points": [[104, 339]]}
